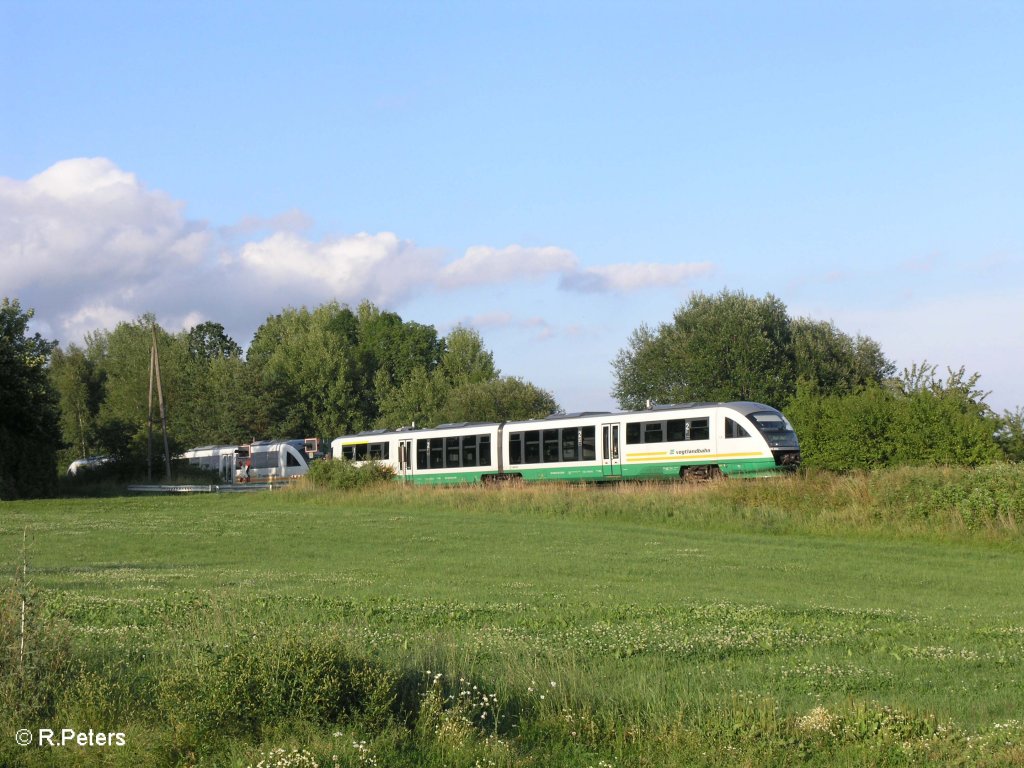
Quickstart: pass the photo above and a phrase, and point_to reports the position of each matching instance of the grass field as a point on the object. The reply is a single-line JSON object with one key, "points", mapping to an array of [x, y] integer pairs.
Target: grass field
{"points": [[867, 620]]}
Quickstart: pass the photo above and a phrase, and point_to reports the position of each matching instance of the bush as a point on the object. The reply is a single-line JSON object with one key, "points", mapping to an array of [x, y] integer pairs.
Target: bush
{"points": [[258, 682], [986, 495], [877, 428], [341, 474]]}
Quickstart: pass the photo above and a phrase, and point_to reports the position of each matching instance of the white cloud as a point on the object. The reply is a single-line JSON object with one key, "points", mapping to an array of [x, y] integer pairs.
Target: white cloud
{"points": [[289, 221], [626, 278], [82, 219], [483, 264], [380, 267], [87, 245], [94, 317]]}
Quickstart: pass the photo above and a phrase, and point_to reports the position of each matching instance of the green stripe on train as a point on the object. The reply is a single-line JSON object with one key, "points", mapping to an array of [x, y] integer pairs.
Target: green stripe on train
{"points": [[754, 467]]}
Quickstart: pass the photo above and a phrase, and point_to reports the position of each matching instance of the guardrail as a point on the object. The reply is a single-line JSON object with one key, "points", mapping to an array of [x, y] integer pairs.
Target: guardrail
{"points": [[246, 488]]}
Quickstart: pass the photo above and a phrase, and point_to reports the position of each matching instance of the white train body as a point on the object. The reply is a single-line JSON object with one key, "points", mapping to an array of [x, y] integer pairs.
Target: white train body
{"points": [[267, 461], [693, 440]]}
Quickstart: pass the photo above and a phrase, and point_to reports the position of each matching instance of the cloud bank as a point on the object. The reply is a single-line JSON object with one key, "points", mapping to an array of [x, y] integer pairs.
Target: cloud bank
{"points": [[88, 245]]}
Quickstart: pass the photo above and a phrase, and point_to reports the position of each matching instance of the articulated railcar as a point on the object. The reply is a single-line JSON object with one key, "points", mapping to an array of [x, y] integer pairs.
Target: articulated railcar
{"points": [[451, 453], [694, 440], [267, 461], [221, 459]]}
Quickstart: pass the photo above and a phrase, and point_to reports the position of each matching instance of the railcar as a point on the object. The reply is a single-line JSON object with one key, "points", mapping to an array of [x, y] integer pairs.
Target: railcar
{"points": [[691, 440], [222, 459], [266, 461], [466, 452]]}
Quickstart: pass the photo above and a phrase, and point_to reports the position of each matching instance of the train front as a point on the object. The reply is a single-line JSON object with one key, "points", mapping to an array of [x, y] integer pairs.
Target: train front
{"points": [[780, 436]]}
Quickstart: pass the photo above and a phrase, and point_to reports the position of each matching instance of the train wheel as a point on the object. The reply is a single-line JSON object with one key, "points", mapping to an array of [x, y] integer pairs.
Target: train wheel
{"points": [[701, 474]]}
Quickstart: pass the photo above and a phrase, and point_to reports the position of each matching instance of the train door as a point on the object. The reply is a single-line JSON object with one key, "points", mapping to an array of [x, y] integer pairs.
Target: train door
{"points": [[611, 461], [405, 459], [227, 467]]}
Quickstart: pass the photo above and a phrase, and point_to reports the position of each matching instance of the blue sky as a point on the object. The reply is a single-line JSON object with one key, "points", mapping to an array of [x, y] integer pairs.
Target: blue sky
{"points": [[553, 174]]}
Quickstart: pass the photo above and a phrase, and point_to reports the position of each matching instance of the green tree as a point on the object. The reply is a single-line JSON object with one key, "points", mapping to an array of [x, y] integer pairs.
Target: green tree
{"points": [[465, 359], [465, 386], [922, 419], [307, 368], [217, 388], [732, 346], [830, 361], [1010, 434], [506, 398], [389, 351], [419, 399], [209, 341], [29, 419], [725, 347], [123, 358], [79, 384]]}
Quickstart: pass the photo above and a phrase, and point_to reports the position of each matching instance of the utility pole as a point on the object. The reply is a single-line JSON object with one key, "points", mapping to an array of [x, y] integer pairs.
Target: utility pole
{"points": [[154, 373]]}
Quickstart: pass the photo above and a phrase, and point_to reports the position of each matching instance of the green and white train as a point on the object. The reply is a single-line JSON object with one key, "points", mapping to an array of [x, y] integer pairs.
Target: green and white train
{"points": [[693, 440]]}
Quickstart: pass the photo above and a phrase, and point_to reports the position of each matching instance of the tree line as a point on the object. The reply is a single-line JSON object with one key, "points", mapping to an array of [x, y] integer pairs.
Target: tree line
{"points": [[320, 372], [335, 370], [850, 407]]}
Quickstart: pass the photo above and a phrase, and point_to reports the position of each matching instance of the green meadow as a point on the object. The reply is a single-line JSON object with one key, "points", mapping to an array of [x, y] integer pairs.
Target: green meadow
{"points": [[814, 620]]}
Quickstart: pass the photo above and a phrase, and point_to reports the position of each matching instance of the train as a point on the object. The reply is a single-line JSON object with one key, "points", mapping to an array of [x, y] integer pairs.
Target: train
{"points": [[265, 461], [686, 441]]}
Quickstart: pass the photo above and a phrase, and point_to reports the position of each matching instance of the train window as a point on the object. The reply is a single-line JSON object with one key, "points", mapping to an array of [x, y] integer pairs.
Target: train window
{"points": [[775, 429], [531, 444], [348, 452], [515, 448], [379, 451], [264, 460], [589, 443], [697, 429], [550, 445], [422, 454], [732, 429], [437, 453], [633, 434], [654, 432], [484, 444], [676, 430], [291, 460], [361, 452], [453, 457], [469, 451], [570, 444]]}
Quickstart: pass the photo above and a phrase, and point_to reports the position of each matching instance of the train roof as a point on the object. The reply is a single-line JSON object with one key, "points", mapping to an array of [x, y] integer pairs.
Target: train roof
{"points": [[270, 443], [743, 407]]}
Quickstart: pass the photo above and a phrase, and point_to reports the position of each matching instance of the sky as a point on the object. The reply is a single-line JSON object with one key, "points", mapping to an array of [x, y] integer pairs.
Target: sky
{"points": [[553, 174]]}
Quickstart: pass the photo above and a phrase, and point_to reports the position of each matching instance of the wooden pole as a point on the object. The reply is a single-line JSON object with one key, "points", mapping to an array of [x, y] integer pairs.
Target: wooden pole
{"points": [[149, 415], [163, 408]]}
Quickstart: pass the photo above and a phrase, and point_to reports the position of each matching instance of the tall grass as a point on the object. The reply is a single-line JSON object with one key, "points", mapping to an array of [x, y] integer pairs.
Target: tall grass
{"points": [[913, 501], [868, 619]]}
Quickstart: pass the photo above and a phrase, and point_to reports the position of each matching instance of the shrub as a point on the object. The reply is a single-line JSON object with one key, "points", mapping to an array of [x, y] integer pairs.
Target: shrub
{"points": [[990, 494], [877, 428], [258, 682], [342, 474]]}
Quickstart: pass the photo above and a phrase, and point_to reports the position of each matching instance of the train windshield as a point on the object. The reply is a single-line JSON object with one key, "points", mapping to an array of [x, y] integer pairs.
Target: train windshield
{"points": [[775, 429]]}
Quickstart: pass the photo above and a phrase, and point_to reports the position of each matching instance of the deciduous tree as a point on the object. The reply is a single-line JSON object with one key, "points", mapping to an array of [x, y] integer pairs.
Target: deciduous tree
{"points": [[725, 347], [29, 413]]}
